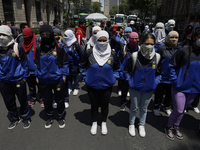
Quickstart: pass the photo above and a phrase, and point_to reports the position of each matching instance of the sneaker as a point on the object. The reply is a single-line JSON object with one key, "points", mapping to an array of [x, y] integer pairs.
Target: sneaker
{"points": [[93, 129], [54, 105], [168, 111], [31, 104], [119, 93], [156, 112], [104, 129], [196, 110], [69, 91], [128, 94], [132, 130], [42, 104], [27, 124], [169, 133], [13, 124], [61, 123], [66, 104], [122, 107], [177, 132], [75, 92], [48, 123], [185, 111], [142, 132]]}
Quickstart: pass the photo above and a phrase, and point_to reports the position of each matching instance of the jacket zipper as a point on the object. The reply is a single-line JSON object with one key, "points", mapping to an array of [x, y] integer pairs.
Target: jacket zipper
{"points": [[144, 79], [100, 77]]}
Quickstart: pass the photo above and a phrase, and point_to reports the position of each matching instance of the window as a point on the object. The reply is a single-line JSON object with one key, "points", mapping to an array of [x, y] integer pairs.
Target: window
{"points": [[8, 10], [38, 11]]}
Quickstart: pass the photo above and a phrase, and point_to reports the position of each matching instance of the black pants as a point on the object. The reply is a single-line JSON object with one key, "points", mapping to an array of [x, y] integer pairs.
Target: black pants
{"points": [[99, 98], [119, 84], [66, 91], [59, 95], [159, 92], [8, 91], [195, 103], [124, 89], [32, 88]]}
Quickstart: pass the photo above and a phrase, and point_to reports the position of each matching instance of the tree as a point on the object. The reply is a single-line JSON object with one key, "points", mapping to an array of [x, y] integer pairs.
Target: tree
{"points": [[124, 8], [96, 7], [113, 10]]}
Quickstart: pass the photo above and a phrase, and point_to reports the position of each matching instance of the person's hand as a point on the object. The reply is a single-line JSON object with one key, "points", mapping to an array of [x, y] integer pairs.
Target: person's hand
{"points": [[37, 81], [64, 79], [60, 40]]}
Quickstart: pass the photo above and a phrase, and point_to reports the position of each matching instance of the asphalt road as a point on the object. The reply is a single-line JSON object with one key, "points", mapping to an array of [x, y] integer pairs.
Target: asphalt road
{"points": [[76, 135]]}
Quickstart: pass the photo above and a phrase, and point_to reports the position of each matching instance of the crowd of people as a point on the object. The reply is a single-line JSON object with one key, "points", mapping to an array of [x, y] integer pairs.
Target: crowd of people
{"points": [[144, 63]]}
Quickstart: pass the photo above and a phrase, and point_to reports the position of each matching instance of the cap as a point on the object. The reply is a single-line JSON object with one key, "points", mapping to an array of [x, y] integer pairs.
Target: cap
{"points": [[132, 22]]}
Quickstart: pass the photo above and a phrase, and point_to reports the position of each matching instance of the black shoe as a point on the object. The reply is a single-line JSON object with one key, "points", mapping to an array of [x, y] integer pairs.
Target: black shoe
{"points": [[13, 124], [27, 124], [169, 133], [48, 123], [122, 107], [61, 123]]}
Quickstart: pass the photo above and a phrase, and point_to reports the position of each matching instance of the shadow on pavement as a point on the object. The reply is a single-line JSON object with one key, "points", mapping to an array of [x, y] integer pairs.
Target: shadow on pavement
{"points": [[115, 101], [120, 119], [44, 117], [84, 117], [84, 98]]}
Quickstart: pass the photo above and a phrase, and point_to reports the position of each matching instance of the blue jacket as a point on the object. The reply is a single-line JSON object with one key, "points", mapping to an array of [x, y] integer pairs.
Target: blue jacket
{"points": [[75, 53], [31, 65], [157, 46], [166, 52], [145, 75], [11, 68], [52, 63], [100, 77], [178, 66]]}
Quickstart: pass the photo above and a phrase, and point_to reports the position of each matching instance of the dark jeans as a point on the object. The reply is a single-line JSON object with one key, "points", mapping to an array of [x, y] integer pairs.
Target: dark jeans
{"points": [[124, 89], [31, 80], [66, 91], [59, 95], [99, 98], [159, 92], [73, 76], [8, 91]]}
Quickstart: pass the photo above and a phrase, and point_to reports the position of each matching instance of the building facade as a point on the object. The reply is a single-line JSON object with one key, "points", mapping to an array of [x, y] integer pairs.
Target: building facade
{"points": [[112, 3], [31, 11]]}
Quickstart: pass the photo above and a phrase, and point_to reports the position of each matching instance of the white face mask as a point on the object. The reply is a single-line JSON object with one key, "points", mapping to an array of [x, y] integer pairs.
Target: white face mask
{"points": [[147, 51], [126, 35], [95, 37], [102, 45], [198, 42], [4, 41], [171, 28]]}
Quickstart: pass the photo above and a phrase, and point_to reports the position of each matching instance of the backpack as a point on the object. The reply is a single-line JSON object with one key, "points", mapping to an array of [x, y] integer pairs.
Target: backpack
{"points": [[134, 57], [83, 41], [16, 50]]}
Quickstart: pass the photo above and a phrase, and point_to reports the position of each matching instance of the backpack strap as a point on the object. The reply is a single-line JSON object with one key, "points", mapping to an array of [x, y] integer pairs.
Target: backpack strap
{"points": [[134, 58], [16, 50], [157, 58]]}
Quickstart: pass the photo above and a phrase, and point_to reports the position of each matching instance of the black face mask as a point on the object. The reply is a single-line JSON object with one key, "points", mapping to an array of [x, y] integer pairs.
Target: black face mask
{"points": [[47, 40]]}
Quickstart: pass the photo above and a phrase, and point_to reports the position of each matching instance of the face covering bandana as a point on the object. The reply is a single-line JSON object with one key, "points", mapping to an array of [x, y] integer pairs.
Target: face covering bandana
{"points": [[84, 27], [5, 41], [102, 45], [126, 36], [172, 41], [170, 28], [198, 42], [148, 51]]}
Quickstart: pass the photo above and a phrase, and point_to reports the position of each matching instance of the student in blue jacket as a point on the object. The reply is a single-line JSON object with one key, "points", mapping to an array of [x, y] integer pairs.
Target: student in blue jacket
{"points": [[142, 72], [13, 76], [29, 45], [75, 52], [101, 63], [166, 51], [184, 72], [52, 70]]}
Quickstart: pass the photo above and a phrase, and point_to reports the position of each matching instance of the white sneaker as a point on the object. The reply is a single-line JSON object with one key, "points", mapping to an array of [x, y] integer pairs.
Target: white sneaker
{"points": [[54, 105], [132, 130], [93, 129], [156, 112], [119, 93], [185, 111], [128, 94], [142, 132], [104, 129], [75, 92], [196, 110], [66, 104], [69, 91], [168, 111]]}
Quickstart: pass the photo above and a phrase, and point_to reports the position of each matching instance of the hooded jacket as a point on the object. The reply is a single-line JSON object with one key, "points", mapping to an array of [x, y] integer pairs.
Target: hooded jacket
{"points": [[177, 70]]}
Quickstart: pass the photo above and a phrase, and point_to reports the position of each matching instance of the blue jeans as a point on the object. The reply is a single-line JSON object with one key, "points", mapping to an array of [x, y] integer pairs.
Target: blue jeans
{"points": [[73, 76], [142, 100]]}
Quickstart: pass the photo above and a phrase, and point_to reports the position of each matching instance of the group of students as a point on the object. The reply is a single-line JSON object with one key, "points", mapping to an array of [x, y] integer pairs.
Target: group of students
{"points": [[160, 64]]}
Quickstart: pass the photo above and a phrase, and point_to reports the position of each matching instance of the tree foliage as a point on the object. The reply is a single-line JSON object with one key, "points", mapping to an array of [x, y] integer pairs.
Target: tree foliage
{"points": [[123, 8], [96, 7]]}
